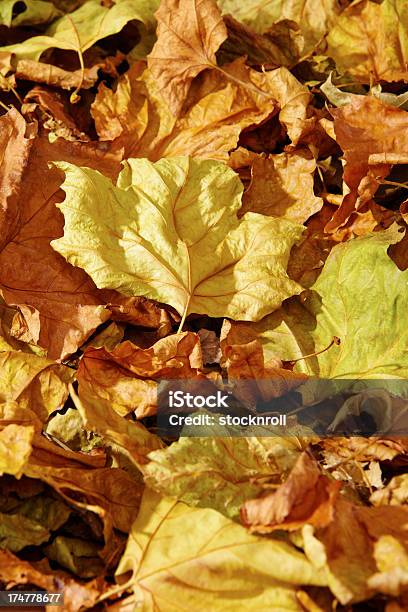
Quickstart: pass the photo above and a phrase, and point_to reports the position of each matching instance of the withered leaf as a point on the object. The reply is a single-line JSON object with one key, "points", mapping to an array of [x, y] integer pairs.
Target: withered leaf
{"points": [[369, 41], [15, 571], [60, 303], [254, 379], [220, 473], [314, 17], [33, 382], [138, 117], [369, 150], [189, 33], [124, 378], [306, 497], [282, 186], [346, 546], [252, 244], [218, 267], [239, 565]]}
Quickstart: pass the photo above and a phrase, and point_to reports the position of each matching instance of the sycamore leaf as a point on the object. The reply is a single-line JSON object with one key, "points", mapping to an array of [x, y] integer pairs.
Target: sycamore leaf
{"points": [[306, 497], [359, 298], [35, 12], [140, 119], [189, 33], [16, 140], [234, 565], [219, 473], [59, 303], [281, 45], [345, 547], [172, 235], [252, 379], [369, 150], [134, 440], [282, 186], [81, 29], [124, 378], [34, 382], [223, 106], [315, 17], [370, 41], [174, 74]]}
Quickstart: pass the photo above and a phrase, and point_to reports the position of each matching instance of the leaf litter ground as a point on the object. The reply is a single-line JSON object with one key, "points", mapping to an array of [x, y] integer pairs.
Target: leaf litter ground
{"points": [[211, 192]]}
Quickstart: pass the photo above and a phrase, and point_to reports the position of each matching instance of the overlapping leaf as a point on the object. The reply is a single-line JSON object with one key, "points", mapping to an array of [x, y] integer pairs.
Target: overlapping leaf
{"points": [[81, 29], [235, 123], [314, 17], [34, 12], [259, 573], [370, 40], [124, 378], [209, 264], [219, 473], [358, 297], [59, 302]]}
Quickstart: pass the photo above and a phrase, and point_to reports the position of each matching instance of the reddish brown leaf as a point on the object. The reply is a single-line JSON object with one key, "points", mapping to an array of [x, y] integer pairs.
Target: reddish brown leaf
{"points": [[307, 496], [125, 378], [53, 295], [189, 33], [373, 137]]}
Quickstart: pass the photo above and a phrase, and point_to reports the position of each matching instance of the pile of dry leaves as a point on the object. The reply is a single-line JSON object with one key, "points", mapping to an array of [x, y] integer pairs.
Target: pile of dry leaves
{"points": [[213, 191]]}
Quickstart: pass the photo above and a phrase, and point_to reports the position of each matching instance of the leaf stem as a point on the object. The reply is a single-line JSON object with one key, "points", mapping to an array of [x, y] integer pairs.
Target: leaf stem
{"points": [[16, 94], [74, 98], [395, 184], [335, 340], [183, 318]]}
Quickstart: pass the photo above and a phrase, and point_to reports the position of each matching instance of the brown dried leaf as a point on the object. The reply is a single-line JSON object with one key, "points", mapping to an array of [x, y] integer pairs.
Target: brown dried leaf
{"points": [[39, 72], [140, 119], [369, 41], [125, 378], [243, 358], [59, 300], [282, 186], [15, 149], [14, 571], [307, 496], [189, 33], [373, 137], [346, 546], [394, 494]]}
